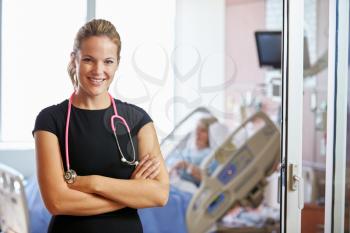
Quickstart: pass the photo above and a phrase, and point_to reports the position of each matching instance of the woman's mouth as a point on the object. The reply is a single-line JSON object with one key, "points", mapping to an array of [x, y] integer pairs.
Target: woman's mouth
{"points": [[96, 81]]}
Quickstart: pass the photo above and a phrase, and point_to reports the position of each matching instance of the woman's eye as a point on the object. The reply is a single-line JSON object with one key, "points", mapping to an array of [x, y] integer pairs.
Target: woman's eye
{"points": [[86, 59], [109, 62]]}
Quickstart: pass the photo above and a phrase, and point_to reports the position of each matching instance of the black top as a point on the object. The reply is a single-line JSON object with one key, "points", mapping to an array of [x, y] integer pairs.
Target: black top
{"points": [[93, 151]]}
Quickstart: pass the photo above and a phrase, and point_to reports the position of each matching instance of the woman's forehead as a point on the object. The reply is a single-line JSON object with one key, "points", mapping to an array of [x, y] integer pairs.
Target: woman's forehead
{"points": [[98, 46]]}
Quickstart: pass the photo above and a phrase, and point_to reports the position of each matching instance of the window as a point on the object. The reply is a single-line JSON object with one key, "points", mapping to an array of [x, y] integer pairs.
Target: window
{"points": [[37, 38]]}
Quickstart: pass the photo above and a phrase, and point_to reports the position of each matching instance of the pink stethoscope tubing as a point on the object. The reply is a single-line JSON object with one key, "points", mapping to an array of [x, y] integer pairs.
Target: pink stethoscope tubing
{"points": [[116, 115]]}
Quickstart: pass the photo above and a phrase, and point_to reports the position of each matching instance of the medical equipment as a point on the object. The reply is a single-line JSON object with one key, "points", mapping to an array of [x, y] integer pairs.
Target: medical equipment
{"points": [[13, 208], [70, 175], [245, 159]]}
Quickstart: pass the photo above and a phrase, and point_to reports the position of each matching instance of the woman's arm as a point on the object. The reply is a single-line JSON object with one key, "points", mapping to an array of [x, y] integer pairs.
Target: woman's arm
{"points": [[135, 193], [57, 196]]}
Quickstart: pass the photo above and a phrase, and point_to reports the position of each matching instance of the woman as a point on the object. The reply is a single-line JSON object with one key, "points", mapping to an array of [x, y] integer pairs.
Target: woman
{"points": [[92, 173], [189, 166]]}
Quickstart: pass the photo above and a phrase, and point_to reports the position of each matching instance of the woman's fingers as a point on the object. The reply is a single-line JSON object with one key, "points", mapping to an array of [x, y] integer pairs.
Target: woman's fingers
{"points": [[146, 168], [152, 171], [154, 174], [143, 160]]}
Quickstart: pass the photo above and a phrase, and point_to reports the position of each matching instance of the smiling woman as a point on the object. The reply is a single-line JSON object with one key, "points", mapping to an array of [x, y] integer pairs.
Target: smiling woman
{"points": [[83, 134], [95, 65]]}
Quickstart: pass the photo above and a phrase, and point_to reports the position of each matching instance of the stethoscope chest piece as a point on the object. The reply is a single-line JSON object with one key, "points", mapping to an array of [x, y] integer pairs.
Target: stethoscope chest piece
{"points": [[70, 176]]}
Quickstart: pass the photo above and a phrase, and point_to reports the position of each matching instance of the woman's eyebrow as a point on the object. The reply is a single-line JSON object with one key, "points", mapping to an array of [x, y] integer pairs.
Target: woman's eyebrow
{"points": [[87, 55]]}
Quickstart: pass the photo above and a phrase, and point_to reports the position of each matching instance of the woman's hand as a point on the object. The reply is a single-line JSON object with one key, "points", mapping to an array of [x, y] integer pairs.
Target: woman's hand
{"points": [[148, 168]]}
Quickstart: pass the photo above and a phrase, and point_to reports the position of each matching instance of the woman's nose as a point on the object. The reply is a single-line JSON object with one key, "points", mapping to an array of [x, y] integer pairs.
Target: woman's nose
{"points": [[98, 68]]}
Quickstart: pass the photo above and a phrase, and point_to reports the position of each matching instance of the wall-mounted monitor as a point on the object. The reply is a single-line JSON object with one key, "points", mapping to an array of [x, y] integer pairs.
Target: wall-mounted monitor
{"points": [[269, 48]]}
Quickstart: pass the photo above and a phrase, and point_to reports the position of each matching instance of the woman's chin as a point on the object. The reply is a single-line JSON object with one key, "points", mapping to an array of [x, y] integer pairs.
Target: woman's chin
{"points": [[95, 91]]}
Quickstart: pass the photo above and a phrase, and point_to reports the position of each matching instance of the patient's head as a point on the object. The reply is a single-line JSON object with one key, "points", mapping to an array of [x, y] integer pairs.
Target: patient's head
{"points": [[202, 132]]}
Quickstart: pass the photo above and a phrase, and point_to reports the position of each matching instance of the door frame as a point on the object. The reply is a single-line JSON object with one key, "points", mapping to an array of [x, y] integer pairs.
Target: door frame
{"points": [[292, 116], [337, 115]]}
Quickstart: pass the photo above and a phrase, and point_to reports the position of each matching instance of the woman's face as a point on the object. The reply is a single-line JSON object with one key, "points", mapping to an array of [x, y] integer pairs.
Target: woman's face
{"points": [[96, 63], [202, 137]]}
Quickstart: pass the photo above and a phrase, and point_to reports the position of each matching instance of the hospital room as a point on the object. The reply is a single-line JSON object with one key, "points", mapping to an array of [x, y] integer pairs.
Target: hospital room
{"points": [[226, 116]]}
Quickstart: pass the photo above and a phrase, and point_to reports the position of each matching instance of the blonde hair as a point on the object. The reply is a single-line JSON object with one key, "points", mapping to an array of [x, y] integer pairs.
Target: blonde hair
{"points": [[95, 27]]}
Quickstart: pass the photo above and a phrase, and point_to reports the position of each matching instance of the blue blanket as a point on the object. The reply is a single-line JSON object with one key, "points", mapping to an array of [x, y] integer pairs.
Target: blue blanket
{"points": [[171, 218]]}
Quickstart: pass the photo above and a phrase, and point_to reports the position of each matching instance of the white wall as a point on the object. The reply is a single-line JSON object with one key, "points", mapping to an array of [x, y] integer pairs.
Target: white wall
{"points": [[199, 56]]}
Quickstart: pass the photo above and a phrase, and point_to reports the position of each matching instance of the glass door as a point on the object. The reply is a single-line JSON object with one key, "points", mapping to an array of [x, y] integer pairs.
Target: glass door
{"points": [[337, 172], [315, 87], [329, 162]]}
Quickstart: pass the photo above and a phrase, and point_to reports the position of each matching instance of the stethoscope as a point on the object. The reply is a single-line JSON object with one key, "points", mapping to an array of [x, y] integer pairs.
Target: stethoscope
{"points": [[70, 175]]}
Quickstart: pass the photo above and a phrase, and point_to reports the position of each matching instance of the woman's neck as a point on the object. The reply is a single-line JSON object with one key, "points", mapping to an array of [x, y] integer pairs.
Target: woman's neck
{"points": [[83, 101]]}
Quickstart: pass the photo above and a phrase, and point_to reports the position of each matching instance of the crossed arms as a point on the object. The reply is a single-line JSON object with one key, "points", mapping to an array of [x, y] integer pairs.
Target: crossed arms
{"points": [[94, 194]]}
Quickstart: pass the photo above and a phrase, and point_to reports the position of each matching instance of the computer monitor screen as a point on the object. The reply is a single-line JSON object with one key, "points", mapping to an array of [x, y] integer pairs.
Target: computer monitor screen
{"points": [[269, 48]]}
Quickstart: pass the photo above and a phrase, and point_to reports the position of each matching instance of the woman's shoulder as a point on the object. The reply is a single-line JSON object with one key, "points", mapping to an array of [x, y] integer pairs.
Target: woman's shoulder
{"points": [[51, 118], [127, 105], [56, 110], [129, 109]]}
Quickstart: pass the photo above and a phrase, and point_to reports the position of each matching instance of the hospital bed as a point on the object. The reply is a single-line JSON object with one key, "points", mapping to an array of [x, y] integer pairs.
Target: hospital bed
{"points": [[245, 158], [13, 203]]}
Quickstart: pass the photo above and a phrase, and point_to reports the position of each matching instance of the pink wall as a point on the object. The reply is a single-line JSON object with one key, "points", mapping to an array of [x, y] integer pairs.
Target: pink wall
{"points": [[243, 18]]}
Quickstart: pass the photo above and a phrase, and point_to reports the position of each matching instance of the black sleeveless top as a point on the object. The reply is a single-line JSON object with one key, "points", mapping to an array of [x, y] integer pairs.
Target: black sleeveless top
{"points": [[93, 151]]}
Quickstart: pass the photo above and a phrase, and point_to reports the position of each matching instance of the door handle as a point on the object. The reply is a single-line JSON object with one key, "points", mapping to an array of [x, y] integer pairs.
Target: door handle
{"points": [[297, 184]]}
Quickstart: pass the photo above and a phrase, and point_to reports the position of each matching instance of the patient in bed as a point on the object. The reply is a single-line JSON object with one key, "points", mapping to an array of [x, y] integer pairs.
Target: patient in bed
{"points": [[186, 162]]}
